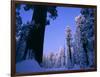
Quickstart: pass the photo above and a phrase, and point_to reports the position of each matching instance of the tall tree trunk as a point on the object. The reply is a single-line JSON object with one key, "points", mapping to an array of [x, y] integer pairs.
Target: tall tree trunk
{"points": [[36, 35], [69, 47], [25, 52], [86, 51]]}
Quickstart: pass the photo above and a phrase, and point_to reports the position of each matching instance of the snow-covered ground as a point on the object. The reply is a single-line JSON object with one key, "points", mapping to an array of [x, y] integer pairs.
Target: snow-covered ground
{"points": [[28, 66], [31, 65]]}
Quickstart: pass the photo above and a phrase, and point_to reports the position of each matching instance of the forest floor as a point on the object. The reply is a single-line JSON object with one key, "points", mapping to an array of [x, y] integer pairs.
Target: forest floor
{"points": [[31, 65]]}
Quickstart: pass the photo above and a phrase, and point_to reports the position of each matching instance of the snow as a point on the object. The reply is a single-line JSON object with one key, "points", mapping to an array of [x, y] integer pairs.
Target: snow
{"points": [[28, 66]]}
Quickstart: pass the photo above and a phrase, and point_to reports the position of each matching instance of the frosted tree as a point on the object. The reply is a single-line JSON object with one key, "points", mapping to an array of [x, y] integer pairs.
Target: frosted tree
{"points": [[84, 37], [69, 53], [18, 19], [76, 47], [51, 61], [88, 31], [57, 60], [22, 31], [18, 34], [45, 61], [62, 57], [81, 40]]}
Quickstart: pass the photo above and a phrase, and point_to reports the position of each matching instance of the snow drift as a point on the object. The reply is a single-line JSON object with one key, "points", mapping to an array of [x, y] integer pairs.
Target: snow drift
{"points": [[28, 66]]}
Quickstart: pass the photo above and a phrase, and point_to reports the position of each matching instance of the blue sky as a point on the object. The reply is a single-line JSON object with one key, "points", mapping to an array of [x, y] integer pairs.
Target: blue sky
{"points": [[55, 32]]}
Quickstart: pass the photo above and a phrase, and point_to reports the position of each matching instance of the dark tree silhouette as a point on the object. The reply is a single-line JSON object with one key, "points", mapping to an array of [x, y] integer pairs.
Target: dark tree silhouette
{"points": [[35, 38], [18, 18], [18, 28], [87, 34]]}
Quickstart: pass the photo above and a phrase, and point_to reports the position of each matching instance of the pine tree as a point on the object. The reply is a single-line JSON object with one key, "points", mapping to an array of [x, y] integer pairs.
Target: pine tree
{"points": [[69, 52], [88, 31], [62, 57], [85, 36], [18, 34], [51, 60]]}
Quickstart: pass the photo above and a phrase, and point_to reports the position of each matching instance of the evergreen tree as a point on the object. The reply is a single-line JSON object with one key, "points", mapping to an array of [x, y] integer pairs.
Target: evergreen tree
{"points": [[62, 57], [18, 34], [36, 34], [88, 32], [85, 37], [81, 41], [51, 60], [69, 52]]}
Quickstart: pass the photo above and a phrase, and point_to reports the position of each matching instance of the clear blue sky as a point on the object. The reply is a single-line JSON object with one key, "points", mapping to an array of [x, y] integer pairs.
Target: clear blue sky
{"points": [[55, 32]]}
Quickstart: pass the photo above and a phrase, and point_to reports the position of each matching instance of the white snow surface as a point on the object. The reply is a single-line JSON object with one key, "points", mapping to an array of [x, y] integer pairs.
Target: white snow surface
{"points": [[28, 66], [31, 65]]}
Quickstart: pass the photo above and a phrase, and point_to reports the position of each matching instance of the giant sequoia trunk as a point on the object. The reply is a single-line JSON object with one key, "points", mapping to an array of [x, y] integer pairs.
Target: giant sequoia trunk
{"points": [[36, 34]]}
